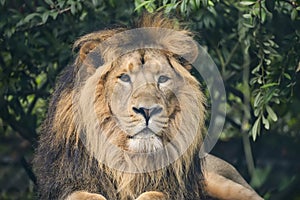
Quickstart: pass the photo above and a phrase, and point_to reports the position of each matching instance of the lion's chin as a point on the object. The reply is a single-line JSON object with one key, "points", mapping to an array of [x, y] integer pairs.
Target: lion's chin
{"points": [[144, 144]]}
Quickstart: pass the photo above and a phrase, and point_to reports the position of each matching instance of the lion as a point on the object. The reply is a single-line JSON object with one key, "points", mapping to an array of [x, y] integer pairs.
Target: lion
{"points": [[127, 122]]}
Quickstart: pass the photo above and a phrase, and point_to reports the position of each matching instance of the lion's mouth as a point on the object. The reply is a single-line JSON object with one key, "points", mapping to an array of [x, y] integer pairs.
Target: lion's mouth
{"points": [[144, 134], [144, 141]]}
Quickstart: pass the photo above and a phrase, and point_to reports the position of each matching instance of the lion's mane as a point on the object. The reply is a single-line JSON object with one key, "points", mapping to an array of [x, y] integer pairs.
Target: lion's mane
{"points": [[66, 159]]}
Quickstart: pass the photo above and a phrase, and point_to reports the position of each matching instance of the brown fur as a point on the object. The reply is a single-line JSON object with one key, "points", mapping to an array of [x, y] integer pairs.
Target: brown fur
{"points": [[80, 130], [65, 163], [222, 181]]}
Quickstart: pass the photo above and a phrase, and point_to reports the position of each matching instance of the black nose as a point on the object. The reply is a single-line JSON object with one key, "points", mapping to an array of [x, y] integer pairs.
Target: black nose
{"points": [[147, 112]]}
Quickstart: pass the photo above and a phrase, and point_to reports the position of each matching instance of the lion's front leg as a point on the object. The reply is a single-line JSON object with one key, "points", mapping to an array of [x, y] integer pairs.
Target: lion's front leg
{"points": [[82, 195], [152, 195]]}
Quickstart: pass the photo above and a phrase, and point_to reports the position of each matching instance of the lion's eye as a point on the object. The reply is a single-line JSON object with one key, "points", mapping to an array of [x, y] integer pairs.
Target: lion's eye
{"points": [[163, 79], [124, 78]]}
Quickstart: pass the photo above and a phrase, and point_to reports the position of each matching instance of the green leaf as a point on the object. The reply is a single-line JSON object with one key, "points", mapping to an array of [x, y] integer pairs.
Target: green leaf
{"points": [[150, 7], [271, 113], [287, 76], [41, 9], [96, 3], [142, 5], [257, 100], [73, 9], [248, 25], [20, 23], [45, 17], [266, 51], [257, 111], [83, 15], [247, 16], [294, 14], [276, 100], [49, 2], [259, 80], [267, 44], [198, 2], [171, 6], [54, 14], [247, 3], [165, 2], [30, 17], [268, 85], [266, 123], [205, 3], [61, 3], [183, 6], [256, 69], [263, 15], [256, 128], [193, 5], [267, 61], [79, 6], [211, 3]]}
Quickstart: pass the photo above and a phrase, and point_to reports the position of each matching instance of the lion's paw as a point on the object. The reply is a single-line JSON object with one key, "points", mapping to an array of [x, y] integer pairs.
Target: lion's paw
{"points": [[82, 195], [152, 195]]}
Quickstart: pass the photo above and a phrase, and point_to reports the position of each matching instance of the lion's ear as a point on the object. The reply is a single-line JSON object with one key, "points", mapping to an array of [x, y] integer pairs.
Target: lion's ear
{"points": [[180, 43], [86, 48], [89, 54], [87, 45]]}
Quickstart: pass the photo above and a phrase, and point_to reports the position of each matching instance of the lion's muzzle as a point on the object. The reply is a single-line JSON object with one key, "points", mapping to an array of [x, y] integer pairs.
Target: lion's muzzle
{"points": [[147, 112]]}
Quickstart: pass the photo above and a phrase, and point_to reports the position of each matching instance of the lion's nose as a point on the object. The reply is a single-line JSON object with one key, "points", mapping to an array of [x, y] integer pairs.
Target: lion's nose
{"points": [[147, 112]]}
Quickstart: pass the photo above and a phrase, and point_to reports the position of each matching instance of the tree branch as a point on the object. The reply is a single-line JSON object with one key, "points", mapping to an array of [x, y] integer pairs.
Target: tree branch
{"points": [[28, 170]]}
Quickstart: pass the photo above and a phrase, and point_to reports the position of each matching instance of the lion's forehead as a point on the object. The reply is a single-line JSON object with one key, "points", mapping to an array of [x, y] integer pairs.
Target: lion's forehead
{"points": [[149, 61]]}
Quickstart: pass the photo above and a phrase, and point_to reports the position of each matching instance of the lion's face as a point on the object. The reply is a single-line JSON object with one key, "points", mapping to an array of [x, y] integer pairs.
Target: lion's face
{"points": [[143, 100], [139, 110]]}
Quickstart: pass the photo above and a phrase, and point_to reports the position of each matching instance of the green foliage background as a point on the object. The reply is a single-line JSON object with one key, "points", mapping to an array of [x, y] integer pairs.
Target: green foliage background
{"points": [[255, 44]]}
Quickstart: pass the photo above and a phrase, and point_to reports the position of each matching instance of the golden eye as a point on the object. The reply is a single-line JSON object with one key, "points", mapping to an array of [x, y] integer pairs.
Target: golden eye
{"points": [[163, 79], [125, 78]]}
